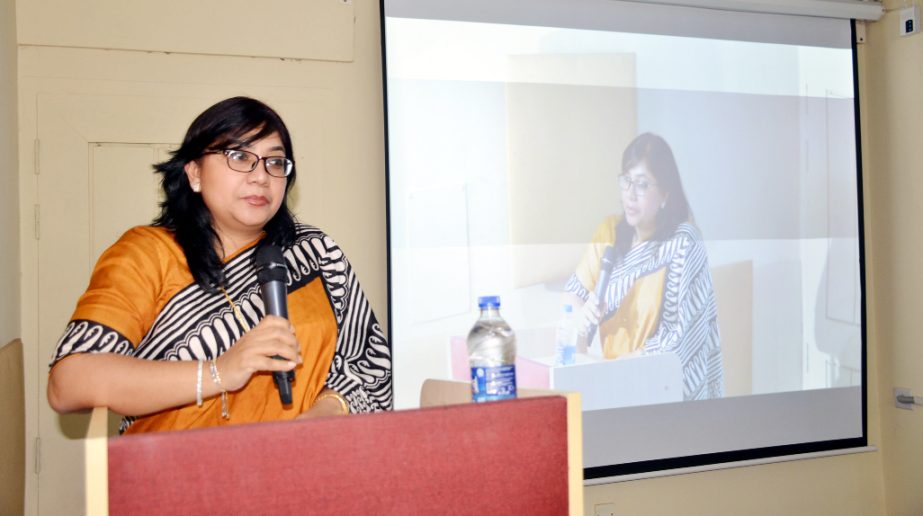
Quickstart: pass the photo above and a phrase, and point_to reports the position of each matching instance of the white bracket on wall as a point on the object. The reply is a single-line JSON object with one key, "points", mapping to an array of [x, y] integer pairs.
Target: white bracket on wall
{"points": [[904, 398]]}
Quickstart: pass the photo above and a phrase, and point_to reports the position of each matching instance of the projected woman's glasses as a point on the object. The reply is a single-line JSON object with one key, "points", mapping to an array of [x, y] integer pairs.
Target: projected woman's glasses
{"points": [[640, 185]]}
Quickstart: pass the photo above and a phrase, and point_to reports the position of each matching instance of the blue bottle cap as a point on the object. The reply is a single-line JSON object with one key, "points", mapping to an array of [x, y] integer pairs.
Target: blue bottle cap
{"points": [[489, 302]]}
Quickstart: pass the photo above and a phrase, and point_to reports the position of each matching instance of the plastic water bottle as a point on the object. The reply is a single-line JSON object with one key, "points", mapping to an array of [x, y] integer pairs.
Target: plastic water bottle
{"points": [[565, 345], [492, 354]]}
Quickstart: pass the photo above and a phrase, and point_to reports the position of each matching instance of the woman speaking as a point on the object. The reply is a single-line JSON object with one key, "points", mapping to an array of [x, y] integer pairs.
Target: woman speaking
{"points": [[657, 295], [172, 332]]}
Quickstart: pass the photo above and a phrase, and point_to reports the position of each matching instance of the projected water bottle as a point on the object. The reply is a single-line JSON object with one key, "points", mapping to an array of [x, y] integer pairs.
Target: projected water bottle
{"points": [[565, 345], [492, 354]]}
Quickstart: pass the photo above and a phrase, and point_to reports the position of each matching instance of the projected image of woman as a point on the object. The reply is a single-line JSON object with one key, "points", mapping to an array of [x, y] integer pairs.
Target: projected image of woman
{"points": [[659, 296]]}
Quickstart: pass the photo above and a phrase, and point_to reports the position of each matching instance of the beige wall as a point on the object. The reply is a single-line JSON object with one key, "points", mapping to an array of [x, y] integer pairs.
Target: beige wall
{"points": [[12, 442], [841, 486], [9, 184], [892, 90], [885, 482], [336, 98]]}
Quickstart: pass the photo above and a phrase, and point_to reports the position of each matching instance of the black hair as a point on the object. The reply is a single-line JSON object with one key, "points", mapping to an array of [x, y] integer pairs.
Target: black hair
{"points": [[232, 123], [655, 152]]}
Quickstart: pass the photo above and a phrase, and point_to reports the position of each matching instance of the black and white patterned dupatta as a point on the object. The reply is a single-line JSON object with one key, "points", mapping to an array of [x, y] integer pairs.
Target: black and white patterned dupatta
{"points": [[199, 325], [688, 323]]}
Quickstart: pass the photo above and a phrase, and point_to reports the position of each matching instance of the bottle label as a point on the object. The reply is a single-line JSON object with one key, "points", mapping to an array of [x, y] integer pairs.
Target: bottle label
{"points": [[493, 383]]}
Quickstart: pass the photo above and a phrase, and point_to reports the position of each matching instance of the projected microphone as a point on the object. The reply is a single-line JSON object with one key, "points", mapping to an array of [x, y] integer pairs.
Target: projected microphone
{"points": [[605, 270], [271, 273]]}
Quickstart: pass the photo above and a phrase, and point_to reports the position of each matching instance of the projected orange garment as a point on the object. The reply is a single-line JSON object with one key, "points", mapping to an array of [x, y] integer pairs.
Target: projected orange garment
{"points": [[142, 302], [636, 319]]}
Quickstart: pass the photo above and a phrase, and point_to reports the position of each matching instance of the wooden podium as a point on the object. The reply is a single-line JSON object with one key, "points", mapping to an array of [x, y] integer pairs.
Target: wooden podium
{"points": [[519, 456]]}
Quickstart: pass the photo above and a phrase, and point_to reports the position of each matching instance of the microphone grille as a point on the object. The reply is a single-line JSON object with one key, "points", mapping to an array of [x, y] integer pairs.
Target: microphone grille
{"points": [[608, 259], [270, 264]]}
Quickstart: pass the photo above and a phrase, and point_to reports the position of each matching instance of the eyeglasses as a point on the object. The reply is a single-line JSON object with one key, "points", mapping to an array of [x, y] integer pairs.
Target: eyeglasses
{"points": [[246, 161], [641, 185]]}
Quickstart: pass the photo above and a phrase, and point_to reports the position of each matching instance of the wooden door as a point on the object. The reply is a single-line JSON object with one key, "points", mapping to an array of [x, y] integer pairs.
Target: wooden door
{"points": [[90, 191]]}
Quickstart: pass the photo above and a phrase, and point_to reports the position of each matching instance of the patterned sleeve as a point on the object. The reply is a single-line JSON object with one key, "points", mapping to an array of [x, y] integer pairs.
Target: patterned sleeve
{"points": [[361, 367], [689, 315], [110, 316]]}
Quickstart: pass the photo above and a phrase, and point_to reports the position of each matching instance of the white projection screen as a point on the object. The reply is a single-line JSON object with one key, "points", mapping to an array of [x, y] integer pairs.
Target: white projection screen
{"points": [[506, 126]]}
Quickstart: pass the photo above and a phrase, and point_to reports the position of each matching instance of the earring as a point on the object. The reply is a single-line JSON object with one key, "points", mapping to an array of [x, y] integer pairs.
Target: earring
{"points": [[196, 187]]}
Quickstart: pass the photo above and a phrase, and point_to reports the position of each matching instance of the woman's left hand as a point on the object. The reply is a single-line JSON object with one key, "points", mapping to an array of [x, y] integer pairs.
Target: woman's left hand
{"points": [[326, 406]]}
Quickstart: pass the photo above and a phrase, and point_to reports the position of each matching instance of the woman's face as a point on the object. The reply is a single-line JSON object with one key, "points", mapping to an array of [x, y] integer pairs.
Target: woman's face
{"points": [[240, 203], [642, 199]]}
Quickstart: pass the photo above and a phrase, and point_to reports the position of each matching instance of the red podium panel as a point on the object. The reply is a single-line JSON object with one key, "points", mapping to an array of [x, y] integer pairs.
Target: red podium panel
{"points": [[507, 457]]}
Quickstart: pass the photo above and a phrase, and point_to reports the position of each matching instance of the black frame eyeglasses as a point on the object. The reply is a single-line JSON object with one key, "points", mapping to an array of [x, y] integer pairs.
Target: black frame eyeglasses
{"points": [[640, 185], [243, 161]]}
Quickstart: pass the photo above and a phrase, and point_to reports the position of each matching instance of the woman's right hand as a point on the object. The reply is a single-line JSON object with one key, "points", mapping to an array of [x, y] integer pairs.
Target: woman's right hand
{"points": [[589, 315], [254, 351]]}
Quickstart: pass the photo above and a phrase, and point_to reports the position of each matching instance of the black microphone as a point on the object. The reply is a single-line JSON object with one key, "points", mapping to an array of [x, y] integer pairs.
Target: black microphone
{"points": [[271, 273], [605, 270]]}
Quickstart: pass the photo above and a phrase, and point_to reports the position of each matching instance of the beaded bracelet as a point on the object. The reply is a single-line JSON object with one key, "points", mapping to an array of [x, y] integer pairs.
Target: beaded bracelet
{"points": [[213, 368]]}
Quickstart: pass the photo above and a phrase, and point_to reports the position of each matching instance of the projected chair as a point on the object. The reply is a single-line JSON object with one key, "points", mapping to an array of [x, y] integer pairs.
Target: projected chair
{"points": [[734, 293], [428, 461]]}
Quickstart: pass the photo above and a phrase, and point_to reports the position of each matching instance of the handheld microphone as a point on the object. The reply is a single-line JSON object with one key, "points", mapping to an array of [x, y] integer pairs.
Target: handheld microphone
{"points": [[271, 273], [605, 270]]}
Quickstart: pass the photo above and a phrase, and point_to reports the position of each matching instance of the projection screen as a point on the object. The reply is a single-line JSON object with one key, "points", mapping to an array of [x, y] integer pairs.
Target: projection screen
{"points": [[509, 127]]}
